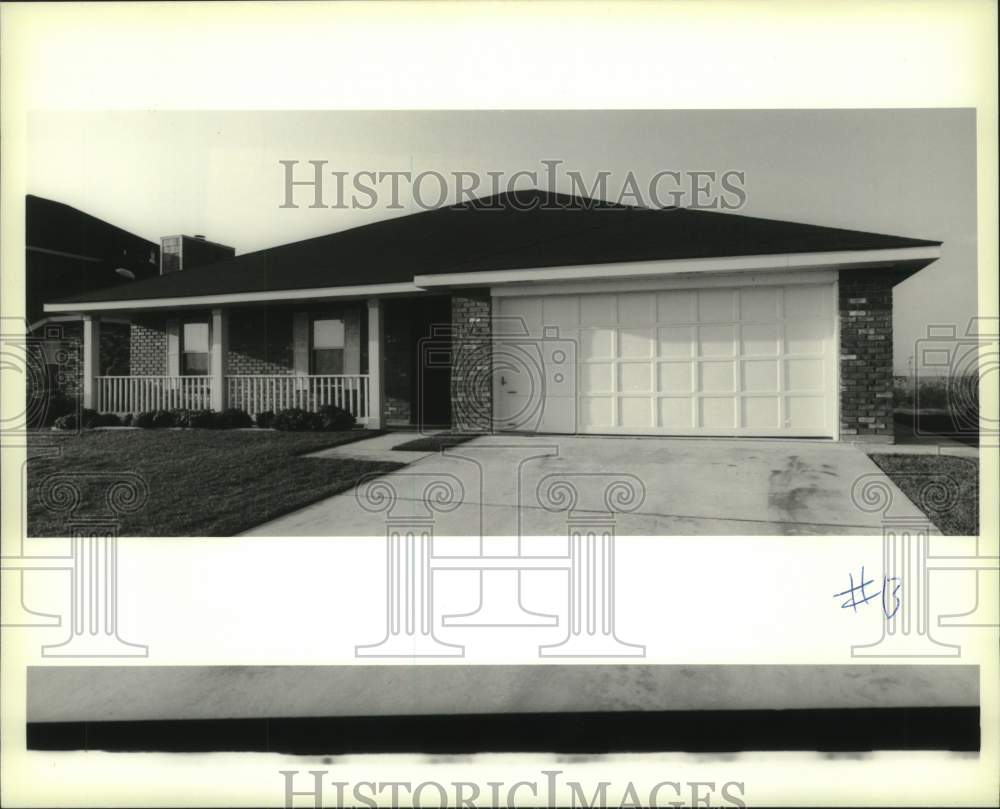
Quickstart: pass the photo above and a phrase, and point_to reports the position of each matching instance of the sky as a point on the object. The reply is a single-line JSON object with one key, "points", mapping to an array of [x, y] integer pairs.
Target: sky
{"points": [[902, 172]]}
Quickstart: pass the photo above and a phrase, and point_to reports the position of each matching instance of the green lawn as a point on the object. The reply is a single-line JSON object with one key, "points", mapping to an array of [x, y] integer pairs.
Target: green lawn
{"points": [[931, 480], [201, 482], [437, 442]]}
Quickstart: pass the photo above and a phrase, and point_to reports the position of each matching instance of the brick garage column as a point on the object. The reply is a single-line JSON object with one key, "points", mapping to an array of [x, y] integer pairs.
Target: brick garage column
{"points": [[471, 361], [866, 382]]}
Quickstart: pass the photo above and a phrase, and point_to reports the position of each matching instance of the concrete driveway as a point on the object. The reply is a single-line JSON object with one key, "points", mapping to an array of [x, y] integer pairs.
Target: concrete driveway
{"points": [[538, 485]]}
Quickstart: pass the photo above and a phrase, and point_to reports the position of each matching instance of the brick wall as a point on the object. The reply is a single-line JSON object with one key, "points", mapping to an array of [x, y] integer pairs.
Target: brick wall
{"points": [[260, 341], [471, 373], [148, 346], [866, 355]]}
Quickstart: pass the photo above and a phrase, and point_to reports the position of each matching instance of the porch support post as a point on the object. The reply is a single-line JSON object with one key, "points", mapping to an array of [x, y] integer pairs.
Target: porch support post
{"points": [[217, 362], [91, 359], [376, 370]]}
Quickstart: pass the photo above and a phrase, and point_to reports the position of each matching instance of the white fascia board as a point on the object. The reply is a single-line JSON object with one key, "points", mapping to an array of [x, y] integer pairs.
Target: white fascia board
{"points": [[664, 282], [275, 296], [639, 269]]}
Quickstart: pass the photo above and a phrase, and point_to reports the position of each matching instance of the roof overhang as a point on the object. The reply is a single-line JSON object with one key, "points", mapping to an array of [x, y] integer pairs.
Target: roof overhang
{"points": [[909, 259], [270, 296], [853, 259]]}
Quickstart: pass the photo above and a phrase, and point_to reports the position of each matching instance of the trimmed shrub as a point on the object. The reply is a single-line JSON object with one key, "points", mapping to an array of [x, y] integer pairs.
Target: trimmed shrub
{"points": [[58, 404], [335, 418], [295, 419], [106, 420], [88, 418], [265, 419], [67, 422], [231, 418], [144, 419], [199, 418], [163, 419], [127, 420]]}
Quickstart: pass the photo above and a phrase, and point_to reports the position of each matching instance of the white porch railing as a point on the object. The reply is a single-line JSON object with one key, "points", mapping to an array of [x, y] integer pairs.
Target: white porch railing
{"points": [[257, 394], [136, 394], [252, 393]]}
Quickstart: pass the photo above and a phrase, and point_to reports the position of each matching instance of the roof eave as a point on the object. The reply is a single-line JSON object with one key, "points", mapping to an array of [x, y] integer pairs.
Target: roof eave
{"points": [[908, 259]]}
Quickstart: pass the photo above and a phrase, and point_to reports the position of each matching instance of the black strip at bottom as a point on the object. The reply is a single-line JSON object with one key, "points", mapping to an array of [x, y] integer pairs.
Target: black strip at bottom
{"points": [[826, 730]]}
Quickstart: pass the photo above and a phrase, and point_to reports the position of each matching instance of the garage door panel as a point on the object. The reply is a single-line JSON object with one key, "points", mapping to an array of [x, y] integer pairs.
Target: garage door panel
{"points": [[717, 377], [760, 376], [676, 341], [597, 344], [807, 302], [805, 336], [760, 339], [636, 307], [716, 305], [804, 375], [805, 412], [716, 341], [678, 306], [561, 310], [761, 412], [719, 361], [636, 343], [676, 377], [635, 412], [596, 412], [760, 304], [676, 414], [635, 377], [717, 412], [597, 377], [598, 309]]}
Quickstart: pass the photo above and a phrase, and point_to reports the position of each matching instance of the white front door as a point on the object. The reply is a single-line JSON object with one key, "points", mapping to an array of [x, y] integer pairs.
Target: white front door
{"points": [[754, 360]]}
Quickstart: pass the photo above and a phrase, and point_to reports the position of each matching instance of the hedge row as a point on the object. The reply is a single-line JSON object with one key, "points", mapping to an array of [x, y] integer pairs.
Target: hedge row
{"points": [[329, 417]]}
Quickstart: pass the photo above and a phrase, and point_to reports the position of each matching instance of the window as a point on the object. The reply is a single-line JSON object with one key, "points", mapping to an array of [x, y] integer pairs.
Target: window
{"points": [[194, 349], [328, 347]]}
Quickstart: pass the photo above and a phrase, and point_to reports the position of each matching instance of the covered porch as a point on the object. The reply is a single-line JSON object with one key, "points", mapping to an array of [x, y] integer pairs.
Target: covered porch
{"points": [[255, 358], [386, 360]]}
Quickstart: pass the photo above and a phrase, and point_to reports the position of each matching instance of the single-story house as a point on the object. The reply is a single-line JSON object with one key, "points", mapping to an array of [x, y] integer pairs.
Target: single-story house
{"points": [[530, 311]]}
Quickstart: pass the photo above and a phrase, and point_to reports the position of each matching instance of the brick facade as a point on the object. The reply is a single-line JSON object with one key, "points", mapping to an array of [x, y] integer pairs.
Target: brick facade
{"points": [[471, 372], [260, 340], [866, 382], [148, 346]]}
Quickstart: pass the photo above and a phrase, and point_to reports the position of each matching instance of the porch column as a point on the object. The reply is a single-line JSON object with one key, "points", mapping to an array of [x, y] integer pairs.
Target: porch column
{"points": [[376, 404], [219, 335], [91, 359]]}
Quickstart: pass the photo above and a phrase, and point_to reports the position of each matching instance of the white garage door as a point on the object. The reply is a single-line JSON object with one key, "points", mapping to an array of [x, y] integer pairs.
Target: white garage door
{"points": [[754, 360]]}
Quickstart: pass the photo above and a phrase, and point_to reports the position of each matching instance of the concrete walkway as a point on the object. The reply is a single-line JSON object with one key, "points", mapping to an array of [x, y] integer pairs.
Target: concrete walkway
{"points": [[909, 442], [522, 486], [377, 448]]}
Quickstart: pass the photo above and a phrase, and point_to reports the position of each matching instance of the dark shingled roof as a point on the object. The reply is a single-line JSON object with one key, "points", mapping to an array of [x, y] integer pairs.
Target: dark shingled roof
{"points": [[515, 230]]}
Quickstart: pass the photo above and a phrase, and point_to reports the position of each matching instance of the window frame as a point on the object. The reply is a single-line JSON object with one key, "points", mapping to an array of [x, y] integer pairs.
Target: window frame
{"points": [[313, 348], [183, 351]]}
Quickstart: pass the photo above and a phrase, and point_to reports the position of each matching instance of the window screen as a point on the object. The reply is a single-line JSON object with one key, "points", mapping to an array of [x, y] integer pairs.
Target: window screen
{"points": [[328, 346]]}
